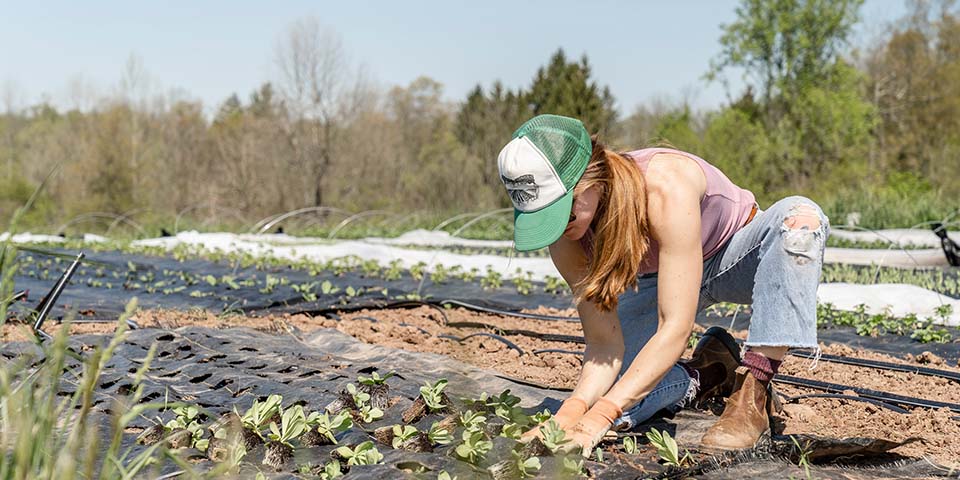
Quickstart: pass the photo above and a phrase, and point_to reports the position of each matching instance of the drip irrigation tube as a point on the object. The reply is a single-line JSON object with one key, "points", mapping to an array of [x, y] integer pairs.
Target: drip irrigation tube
{"points": [[878, 403], [494, 336], [866, 393], [933, 372], [557, 350], [550, 337], [534, 316]]}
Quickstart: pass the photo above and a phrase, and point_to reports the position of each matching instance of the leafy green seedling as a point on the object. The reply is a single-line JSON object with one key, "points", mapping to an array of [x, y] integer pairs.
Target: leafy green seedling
{"points": [[365, 453], [374, 378], [370, 414], [433, 394], [630, 445], [472, 420], [331, 470], [402, 433], [327, 288], [554, 437], [474, 447], [329, 426], [667, 448], [293, 422], [360, 398], [526, 467], [257, 417], [439, 435]]}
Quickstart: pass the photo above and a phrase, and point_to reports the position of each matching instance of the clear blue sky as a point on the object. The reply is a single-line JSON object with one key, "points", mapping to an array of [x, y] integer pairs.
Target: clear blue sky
{"points": [[211, 49]]}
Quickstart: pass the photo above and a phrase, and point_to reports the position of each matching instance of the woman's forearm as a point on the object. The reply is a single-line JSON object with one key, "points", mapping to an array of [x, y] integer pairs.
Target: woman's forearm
{"points": [[649, 366], [601, 365]]}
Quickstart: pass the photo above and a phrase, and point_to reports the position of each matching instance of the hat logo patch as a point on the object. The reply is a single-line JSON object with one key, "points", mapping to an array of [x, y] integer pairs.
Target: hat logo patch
{"points": [[522, 189]]}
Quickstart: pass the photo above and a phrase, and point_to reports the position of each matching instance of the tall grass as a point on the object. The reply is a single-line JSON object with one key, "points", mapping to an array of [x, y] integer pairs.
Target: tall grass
{"points": [[47, 435]]}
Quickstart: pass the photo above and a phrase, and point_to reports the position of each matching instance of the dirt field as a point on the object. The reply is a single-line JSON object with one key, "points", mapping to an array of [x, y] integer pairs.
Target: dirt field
{"points": [[420, 329]]}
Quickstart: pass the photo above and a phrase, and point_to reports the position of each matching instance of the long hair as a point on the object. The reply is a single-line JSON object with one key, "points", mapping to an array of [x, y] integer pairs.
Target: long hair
{"points": [[620, 225]]}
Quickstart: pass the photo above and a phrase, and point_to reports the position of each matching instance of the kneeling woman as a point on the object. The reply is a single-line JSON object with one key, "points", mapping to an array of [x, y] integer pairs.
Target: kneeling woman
{"points": [[647, 239]]}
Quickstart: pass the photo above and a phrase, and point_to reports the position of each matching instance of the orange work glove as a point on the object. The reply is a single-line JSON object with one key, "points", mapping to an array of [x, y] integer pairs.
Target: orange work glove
{"points": [[587, 433], [566, 417]]}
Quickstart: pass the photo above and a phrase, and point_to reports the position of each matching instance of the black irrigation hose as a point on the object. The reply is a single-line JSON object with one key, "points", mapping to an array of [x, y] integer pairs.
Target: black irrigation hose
{"points": [[416, 303], [550, 337], [494, 336], [865, 392], [557, 350], [841, 396], [534, 316], [933, 372]]}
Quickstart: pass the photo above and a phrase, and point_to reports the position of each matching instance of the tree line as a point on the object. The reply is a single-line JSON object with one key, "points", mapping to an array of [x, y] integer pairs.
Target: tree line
{"points": [[872, 134]]}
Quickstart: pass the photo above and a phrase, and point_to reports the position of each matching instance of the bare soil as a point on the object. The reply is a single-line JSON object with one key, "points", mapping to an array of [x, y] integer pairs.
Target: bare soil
{"points": [[419, 329]]}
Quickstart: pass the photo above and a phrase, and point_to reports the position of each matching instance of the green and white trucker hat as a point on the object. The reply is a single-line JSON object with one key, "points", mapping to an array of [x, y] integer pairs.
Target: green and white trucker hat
{"points": [[540, 167]]}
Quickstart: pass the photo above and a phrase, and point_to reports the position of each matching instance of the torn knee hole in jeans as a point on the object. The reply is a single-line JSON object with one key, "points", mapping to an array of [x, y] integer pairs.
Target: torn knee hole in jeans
{"points": [[800, 230]]}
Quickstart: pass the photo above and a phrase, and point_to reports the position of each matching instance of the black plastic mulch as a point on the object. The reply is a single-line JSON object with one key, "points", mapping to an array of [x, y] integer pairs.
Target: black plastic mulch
{"points": [[224, 369]]}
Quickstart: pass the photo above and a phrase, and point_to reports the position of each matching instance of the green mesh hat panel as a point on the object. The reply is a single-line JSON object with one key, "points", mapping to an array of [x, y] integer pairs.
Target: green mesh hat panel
{"points": [[564, 141]]}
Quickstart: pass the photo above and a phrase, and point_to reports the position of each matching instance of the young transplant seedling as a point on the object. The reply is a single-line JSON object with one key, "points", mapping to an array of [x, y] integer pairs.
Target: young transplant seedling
{"points": [[667, 448], [365, 453], [293, 423], [474, 447], [257, 417], [376, 387], [431, 400], [323, 428]]}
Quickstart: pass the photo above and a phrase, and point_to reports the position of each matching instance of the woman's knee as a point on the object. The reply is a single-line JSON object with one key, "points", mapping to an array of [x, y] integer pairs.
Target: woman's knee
{"points": [[803, 227]]}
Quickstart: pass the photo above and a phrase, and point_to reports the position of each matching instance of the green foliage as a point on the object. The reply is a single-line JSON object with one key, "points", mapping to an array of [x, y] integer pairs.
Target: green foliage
{"points": [[526, 467], [293, 422], [554, 437], [365, 453], [432, 394], [630, 445], [259, 415], [402, 433], [667, 448], [439, 435], [475, 446], [374, 378], [329, 426]]}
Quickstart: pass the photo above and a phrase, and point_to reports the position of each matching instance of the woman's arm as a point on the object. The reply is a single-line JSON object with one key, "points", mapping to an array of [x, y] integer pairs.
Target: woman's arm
{"points": [[674, 189], [603, 355]]}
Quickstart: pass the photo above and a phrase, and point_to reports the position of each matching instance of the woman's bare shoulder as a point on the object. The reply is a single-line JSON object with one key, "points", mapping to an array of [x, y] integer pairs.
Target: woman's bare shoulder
{"points": [[668, 171]]}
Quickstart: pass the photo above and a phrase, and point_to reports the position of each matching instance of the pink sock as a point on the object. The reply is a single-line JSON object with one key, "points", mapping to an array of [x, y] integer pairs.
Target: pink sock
{"points": [[761, 367]]}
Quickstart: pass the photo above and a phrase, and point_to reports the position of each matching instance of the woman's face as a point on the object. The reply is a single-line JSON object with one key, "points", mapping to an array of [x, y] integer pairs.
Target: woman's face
{"points": [[582, 212]]}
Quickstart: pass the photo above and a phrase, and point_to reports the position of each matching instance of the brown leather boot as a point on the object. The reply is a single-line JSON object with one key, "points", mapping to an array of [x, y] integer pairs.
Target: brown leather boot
{"points": [[745, 417], [716, 357]]}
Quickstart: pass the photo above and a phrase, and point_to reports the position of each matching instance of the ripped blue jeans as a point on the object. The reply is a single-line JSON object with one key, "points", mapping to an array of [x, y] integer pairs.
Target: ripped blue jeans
{"points": [[774, 262]]}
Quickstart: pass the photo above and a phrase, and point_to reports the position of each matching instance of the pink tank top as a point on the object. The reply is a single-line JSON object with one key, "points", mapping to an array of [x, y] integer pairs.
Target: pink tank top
{"points": [[724, 209]]}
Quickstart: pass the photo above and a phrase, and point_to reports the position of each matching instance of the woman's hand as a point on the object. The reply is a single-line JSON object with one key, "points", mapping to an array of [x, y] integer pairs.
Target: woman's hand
{"points": [[570, 412], [591, 428]]}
